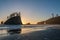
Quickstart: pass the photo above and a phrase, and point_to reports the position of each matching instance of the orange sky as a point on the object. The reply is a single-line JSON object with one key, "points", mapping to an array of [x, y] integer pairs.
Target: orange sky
{"points": [[24, 20]]}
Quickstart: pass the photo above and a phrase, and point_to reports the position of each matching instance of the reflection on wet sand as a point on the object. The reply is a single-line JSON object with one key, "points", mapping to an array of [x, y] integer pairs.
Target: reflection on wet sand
{"points": [[53, 34], [35, 34], [28, 30]]}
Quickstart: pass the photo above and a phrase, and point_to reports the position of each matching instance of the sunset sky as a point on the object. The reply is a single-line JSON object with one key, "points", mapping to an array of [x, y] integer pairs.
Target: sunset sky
{"points": [[32, 11]]}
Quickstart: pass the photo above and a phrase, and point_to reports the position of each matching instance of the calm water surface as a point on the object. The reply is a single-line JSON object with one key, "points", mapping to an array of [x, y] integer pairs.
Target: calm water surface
{"points": [[25, 28]]}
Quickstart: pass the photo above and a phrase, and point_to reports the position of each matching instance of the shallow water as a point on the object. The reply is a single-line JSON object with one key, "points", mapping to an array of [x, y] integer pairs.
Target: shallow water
{"points": [[25, 29]]}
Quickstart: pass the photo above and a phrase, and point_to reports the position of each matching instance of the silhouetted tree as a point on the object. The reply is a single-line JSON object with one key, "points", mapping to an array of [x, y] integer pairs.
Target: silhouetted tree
{"points": [[56, 15], [52, 15]]}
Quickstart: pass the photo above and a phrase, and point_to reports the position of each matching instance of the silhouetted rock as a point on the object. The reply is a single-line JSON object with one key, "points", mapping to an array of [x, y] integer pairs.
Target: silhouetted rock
{"points": [[55, 20], [41, 22], [1, 22], [28, 24], [14, 19]]}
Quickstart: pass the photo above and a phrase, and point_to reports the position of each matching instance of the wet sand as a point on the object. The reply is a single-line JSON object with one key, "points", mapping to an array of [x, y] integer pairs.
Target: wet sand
{"points": [[50, 34]]}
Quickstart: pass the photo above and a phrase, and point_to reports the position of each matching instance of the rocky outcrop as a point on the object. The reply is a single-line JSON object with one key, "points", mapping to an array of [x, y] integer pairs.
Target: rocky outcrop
{"points": [[55, 20], [14, 19]]}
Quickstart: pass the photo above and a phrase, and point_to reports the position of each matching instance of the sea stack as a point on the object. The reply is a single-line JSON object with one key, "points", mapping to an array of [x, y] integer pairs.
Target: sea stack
{"points": [[14, 19], [14, 23]]}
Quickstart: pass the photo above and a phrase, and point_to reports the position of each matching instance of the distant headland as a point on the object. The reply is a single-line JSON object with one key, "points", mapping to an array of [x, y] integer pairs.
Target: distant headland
{"points": [[54, 20]]}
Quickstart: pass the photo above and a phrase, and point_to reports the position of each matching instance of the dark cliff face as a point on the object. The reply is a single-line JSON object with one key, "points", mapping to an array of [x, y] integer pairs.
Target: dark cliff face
{"points": [[55, 20], [14, 21]]}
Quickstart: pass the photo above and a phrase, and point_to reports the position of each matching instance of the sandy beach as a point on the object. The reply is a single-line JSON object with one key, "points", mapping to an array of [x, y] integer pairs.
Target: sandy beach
{"points": [[53, 34]]}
